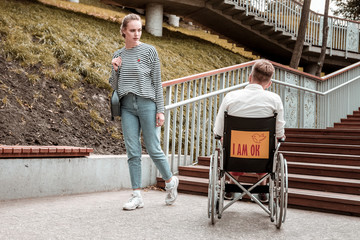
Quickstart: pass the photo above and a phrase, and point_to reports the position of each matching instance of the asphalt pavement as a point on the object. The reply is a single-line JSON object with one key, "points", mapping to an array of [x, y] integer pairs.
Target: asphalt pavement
{"points": [[100, 216]]}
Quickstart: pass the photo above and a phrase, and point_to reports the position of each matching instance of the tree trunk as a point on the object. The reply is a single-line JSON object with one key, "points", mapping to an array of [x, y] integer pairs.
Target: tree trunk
{"points": [[296, 56], [320, 63]]}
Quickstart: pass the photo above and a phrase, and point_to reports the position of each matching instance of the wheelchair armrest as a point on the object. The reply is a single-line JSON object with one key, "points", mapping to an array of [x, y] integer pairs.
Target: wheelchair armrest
{"points": [[217, 137]]}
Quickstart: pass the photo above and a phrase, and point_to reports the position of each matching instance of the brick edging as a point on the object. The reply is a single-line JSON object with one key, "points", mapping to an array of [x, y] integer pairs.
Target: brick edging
{"points": [[16, 151]]}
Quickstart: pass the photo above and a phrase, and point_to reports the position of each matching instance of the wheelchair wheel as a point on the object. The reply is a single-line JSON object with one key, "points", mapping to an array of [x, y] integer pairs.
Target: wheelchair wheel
{"points": [[279, 191], [212, 193], [286, 190]]}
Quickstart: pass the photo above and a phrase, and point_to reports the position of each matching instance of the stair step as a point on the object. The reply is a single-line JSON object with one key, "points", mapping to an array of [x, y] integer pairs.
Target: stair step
{"points": [[328, 131], [316, 200], [194, 171], [351, 119], [308, 199], [231, 10], [325, 170], [354, 117], [322, 158], [327, 184], [215, 1], [189, 184], [347, 125], [204, 160], [320, 148], [221, 5], [326, 139]]}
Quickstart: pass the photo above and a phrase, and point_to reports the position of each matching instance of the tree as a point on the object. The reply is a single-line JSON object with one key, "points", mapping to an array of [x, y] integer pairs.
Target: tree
{"points": [[349, 9], [324, 39], [296, 56]]}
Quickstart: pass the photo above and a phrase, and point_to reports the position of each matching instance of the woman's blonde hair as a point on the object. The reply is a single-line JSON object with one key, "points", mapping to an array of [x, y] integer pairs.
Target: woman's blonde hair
{"points": [[125, 21]]}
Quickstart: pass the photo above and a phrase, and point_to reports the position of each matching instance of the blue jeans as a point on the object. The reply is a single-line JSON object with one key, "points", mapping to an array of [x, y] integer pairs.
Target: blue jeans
{"points": [[139, 114]]}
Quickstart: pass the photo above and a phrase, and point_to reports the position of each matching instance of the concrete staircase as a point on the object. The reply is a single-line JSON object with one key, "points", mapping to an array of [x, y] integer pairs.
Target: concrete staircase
{"points": [[246, 29], [323, 165]]}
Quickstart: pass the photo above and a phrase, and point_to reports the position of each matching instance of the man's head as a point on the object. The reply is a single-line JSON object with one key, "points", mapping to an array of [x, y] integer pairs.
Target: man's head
{"points": [[261, 73]]}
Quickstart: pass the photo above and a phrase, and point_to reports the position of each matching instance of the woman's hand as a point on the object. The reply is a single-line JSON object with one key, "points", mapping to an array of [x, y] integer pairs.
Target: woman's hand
{"points": [[116, 62], [160, 119]]}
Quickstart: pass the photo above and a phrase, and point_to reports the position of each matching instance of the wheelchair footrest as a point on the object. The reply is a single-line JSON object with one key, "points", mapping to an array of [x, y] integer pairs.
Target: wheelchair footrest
{"points": [[257, 189]]}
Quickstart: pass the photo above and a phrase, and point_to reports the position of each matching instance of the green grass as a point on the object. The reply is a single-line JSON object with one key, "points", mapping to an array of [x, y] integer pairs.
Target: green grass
{"points": [[72, 47]]}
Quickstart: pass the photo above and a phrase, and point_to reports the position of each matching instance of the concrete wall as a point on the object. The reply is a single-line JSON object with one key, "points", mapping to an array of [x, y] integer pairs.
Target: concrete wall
{"points": [[40, 177]]}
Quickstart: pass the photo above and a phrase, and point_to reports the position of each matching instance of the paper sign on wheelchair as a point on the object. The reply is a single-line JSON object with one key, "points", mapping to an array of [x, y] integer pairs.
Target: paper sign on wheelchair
{"points": [[245, 144]]}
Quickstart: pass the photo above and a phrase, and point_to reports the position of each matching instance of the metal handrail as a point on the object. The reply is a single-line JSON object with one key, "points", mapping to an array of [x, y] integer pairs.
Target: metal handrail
{"points": [[285, 16], [192, 104]]}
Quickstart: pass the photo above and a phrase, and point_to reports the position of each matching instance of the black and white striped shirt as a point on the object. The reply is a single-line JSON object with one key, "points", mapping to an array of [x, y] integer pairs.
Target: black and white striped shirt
{"points": [[139, 74]]}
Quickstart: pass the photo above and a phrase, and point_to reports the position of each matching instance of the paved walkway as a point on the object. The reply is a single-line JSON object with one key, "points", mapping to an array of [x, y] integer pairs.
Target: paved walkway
{"points": [[100, 216]]}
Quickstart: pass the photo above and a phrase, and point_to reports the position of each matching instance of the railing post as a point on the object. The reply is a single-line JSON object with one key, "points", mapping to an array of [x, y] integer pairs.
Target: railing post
{"points": [[247, 7], [174, 121], [167, 122], [181, 126], [276, 14]]}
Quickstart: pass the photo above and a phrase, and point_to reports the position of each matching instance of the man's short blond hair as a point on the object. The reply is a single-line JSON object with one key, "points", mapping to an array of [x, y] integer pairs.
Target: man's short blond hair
{"points": [[262, 71]]}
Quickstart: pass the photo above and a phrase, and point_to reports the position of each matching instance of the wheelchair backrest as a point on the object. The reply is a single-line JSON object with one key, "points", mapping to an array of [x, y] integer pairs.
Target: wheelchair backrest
{"points": [[249, 144]]}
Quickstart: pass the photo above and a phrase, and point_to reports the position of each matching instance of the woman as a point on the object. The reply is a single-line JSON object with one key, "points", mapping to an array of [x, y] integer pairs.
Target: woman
{"points": [[136, 66]]}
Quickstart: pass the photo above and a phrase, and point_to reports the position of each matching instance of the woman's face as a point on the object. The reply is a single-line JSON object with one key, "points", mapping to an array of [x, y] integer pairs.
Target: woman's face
{"points": [[133, 32]]}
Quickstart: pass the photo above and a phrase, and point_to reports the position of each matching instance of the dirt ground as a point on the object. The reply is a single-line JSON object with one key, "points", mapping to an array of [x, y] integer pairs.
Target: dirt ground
{"points": [[41, 112]]}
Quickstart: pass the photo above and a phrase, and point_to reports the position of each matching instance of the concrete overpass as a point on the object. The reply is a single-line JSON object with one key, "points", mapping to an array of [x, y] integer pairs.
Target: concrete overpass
{"points": [[267, 28]]}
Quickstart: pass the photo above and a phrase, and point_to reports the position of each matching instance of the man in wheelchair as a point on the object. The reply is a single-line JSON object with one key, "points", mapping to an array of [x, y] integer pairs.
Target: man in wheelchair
{"points": [[253, 102]]}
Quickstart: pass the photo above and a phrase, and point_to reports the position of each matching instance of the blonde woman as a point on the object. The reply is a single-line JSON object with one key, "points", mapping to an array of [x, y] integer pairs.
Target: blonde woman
{"points": [[137, 68]]}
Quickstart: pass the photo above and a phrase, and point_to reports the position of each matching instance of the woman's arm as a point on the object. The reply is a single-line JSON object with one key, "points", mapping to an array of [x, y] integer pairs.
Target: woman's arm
{"points": [[115, 65], [156, 79]]}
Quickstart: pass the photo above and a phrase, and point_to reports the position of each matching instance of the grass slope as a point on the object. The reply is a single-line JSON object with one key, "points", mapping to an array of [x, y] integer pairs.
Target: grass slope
{"points": [[55, 66]]}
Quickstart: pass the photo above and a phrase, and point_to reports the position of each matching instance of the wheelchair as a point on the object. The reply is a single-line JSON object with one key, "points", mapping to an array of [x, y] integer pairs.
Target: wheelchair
{"points": [[249, 146]]}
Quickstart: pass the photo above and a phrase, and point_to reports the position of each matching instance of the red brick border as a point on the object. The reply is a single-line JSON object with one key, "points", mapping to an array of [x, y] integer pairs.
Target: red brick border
{"points": [[43, 151]]}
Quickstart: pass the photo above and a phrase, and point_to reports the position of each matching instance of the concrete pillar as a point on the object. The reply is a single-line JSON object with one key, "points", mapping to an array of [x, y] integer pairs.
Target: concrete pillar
{"points": [[154, 19], [174, 20]]}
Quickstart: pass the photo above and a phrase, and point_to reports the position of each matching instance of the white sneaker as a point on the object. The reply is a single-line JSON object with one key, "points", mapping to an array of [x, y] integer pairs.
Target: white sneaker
{"points": [[172, 192], [134, 202]]}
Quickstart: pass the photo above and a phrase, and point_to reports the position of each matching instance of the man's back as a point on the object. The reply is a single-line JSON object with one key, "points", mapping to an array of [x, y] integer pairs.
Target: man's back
{"points": [[252, 102]]}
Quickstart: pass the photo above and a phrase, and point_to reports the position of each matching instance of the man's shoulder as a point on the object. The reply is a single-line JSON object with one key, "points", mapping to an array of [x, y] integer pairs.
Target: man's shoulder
{"points": [[275, 95], [235, 93]]}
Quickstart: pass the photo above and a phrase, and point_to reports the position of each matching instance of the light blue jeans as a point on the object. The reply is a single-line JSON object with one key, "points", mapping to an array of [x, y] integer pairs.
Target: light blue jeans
{"points": [[139, 114]]}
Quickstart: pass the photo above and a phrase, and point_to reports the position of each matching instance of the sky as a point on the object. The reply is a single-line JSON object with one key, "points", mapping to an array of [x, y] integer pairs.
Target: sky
{"points": [[318, 6]]}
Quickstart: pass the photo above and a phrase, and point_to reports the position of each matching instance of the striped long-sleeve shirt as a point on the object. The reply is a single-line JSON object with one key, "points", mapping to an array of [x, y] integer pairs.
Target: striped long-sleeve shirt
{"points": [[139, 74]]}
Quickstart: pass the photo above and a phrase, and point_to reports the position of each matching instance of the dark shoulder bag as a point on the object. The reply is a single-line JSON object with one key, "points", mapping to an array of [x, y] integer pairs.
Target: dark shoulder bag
{"points": [[115, 103]]}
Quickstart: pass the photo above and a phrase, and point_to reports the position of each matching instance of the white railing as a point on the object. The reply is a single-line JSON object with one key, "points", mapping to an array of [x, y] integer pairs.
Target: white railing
{"points": [[285, 16], [192, 103]]}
